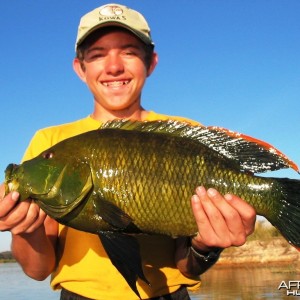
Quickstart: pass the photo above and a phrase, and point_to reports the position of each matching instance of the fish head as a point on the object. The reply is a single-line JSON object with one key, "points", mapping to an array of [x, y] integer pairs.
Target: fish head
{"points": [[56, 180]]}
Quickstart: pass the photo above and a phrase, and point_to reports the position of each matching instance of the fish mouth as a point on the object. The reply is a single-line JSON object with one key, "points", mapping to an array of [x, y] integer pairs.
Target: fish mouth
{"points": [[11, 184]]}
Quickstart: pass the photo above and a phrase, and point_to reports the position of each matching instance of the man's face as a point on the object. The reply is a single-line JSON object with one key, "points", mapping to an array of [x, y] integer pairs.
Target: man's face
{"points": [[115, 71]]}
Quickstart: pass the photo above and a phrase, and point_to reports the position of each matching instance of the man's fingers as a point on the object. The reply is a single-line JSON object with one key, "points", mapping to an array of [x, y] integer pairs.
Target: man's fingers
{"points": [[222, 221], [7, 203], [246, 211]]}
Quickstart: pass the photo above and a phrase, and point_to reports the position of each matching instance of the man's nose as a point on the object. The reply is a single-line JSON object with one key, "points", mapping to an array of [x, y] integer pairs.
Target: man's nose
{"points": [[114, 65]]}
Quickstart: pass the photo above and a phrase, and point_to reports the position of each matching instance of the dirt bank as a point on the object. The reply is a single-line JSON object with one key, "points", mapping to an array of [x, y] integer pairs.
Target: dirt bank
{"points": [[274, 250]]}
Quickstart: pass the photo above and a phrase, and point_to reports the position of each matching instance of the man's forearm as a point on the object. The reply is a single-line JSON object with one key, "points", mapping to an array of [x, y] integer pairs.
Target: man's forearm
{"points": [[35, 253]]}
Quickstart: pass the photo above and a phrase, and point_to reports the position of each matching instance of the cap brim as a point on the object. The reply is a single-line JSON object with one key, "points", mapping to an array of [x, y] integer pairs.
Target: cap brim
{"points": [[145, 39]]}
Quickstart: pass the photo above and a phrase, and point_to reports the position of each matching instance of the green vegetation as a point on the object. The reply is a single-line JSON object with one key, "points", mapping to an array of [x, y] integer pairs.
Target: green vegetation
{"points": [[264, 231], [6, 257]]}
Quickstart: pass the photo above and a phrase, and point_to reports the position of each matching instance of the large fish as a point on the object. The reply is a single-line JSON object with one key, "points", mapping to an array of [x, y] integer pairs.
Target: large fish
{"points": [[138, 177]]}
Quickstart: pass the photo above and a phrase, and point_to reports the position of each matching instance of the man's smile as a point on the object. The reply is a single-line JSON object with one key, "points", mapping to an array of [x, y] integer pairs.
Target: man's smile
{"points": [[115, 83]]}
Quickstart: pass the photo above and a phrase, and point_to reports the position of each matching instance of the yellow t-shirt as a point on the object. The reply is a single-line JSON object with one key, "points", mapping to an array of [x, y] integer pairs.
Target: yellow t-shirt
{"points": [[83, 266]]}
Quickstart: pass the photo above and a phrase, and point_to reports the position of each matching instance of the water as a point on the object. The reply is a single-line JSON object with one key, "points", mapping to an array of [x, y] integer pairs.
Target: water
{"points": [[15, 285], [250, 282], [234, 283]]}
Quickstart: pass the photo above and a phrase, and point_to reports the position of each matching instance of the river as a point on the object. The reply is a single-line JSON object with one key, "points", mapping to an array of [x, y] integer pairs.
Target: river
{"points": [[221, 282]]}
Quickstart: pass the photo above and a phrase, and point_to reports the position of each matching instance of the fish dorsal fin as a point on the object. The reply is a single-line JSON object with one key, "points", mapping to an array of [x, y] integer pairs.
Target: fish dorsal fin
{"points": [[251, 154], [254, 155]]}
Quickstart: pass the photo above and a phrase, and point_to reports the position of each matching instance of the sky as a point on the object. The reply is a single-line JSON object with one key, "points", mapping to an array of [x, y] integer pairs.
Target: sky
{"points": [[234, 64]]}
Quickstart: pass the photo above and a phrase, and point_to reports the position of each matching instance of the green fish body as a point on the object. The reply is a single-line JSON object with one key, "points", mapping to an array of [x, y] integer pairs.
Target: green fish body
{"points": [[138, 177]]}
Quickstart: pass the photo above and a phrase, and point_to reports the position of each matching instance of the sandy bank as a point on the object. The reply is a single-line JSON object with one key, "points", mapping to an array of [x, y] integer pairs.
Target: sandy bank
{"points": [[275, 250]]}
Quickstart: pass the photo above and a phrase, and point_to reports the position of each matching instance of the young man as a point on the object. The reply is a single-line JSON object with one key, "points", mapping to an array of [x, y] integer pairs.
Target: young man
{"points": [[114, 56]]}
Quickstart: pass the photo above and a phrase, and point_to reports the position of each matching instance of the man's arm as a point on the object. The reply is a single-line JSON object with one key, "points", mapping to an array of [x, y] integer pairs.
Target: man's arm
{"points": [[222, 222], [33, 234]]}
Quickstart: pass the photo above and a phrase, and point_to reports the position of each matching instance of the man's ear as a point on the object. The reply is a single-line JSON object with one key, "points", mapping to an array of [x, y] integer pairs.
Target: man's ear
{"points": [[78, 67], [153, 64]]}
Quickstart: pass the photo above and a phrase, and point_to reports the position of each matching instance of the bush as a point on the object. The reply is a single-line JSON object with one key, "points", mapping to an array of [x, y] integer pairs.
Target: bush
{"points": [[264, 231], [6, 256]]}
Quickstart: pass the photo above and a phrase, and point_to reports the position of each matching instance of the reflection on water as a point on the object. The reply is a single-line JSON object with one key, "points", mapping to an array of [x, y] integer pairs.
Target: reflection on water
{"points": [[248, 282], [220, 282]]}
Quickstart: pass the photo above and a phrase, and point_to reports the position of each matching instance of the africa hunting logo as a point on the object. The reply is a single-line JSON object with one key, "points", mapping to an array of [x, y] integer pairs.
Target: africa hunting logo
{"points": [[291, 287]]}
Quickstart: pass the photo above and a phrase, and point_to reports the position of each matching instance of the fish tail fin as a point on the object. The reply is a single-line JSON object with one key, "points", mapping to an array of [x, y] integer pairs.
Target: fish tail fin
{"points": [[287, 218]]}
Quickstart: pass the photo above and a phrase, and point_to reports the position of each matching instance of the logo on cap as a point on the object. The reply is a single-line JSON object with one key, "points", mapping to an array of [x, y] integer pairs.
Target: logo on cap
{"points": [[111, 10]]}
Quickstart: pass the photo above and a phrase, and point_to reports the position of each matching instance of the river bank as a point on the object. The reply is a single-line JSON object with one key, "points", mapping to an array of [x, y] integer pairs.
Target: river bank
{"points": [[275, 250], [265, 246], [6, 257]]}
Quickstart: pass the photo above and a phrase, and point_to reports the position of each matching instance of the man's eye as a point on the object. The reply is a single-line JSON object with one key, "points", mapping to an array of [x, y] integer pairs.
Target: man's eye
{"points": [[130, 52], [94, 56]]}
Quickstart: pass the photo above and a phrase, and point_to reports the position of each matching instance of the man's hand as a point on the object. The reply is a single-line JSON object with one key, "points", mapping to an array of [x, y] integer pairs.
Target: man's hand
{"points": [[19, 217], [222, 221], [34, 234]]}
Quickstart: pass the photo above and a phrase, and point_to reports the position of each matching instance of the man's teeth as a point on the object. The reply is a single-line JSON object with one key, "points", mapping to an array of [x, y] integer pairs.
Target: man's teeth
{"points": [[115, 83]]}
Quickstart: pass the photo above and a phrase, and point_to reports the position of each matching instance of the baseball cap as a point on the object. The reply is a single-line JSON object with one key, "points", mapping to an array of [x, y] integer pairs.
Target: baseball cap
{"points": [[114, 15]]}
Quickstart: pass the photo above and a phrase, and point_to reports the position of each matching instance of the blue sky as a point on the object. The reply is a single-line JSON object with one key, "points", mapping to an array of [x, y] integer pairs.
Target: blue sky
{"points": [[231, 63]]}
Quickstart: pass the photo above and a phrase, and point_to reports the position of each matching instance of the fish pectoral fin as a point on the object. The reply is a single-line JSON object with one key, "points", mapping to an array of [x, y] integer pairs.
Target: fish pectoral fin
{"points": [[115, 216], [124, 253]]}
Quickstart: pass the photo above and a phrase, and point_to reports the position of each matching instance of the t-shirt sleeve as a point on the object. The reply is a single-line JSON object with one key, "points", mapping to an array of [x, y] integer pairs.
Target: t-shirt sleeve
{"points": [[38, 143]]}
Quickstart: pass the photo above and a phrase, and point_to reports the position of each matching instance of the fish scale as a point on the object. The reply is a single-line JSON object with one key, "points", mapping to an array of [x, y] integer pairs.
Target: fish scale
{"points": [[158, 182], [146, 186], [133, 177]]}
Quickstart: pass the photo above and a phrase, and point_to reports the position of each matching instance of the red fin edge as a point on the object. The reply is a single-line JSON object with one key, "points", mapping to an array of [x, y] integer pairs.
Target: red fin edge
{"points": [[263, 144]]}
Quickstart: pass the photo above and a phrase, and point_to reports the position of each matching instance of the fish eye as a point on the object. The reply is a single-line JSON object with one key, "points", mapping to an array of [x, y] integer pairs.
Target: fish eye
{"points": [[48, 155]]}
